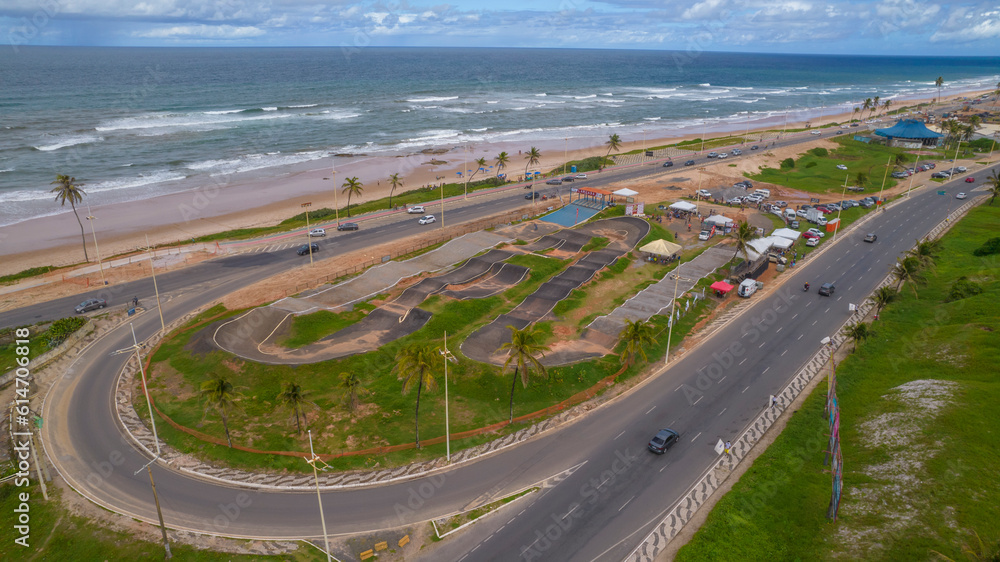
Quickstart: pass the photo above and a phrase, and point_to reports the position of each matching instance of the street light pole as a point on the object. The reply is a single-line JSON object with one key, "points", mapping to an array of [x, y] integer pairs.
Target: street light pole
{"points": [[885, 176], [704, 131], [565, 152], [309, 245], [447, 431], [442, 204], [100, 264], [910, 187], [465, 172], [843, 194], [313, 459], [673, 304], [156, 289]]}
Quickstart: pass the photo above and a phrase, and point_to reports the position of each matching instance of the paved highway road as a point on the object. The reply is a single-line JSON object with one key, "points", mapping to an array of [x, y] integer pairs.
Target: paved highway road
{"points": [[607, 492]]}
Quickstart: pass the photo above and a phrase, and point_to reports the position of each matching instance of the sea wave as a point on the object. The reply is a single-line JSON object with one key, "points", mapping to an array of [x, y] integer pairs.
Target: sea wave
{"points": [[184, 120], [252, 162], [160, 176], [432, 99], [585, 97], [6, 170], [303, 105], [269, 109], [222, 111], [69, 141]]}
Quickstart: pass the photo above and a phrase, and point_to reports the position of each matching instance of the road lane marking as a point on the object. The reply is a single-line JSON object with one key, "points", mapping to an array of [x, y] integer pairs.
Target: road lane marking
{"points": [[722, 412], [698, 400], [744, 361], [778, 330], [796, 316], [626, 503], [696, 437], [798, 338], [761, 344], [766, 370], [651, 409], [827, 310], [664, 467], [783, 353], [745, 389], [815, 321], [723, 378], [620, 434]]}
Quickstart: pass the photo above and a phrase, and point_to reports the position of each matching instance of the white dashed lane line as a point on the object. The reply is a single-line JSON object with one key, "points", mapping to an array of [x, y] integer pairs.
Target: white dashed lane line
{"points": [[651, 409], [744, 361], [620, 434], [778, 330], [761, 344], [626, 503], [798, 338], [722, 412], [698, 400], [693, 439], [745, 389]]}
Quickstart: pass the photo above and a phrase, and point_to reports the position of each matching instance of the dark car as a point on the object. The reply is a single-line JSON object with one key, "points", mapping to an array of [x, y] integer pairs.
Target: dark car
{"points": [[689, 163], [347, 226], [532, 195], [827, 289], [754, 147], [554, 182], [304, 249], [568, 178], [668, 163], [663, 440], [90, 304]]}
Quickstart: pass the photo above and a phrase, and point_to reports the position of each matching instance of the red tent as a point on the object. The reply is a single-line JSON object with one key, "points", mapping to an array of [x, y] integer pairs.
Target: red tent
{"points": [[721, 286]]}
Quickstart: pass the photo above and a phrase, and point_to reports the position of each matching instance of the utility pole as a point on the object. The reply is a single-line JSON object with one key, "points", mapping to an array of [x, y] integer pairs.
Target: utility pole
{"points": [[447, 431], [312, 460], [156, 288]]}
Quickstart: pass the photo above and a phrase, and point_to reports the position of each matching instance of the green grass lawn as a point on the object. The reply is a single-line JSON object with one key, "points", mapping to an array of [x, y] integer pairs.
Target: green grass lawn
{"points": [[777, 510], [310, 328]]}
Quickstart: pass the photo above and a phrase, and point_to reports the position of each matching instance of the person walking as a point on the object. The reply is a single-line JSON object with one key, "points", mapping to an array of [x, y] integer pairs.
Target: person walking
{"points": [[729, 448], [135, 302]]}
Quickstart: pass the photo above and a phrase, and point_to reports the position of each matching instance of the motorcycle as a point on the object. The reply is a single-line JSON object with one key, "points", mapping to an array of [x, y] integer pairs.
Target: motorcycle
{"points": [[806, 288]]}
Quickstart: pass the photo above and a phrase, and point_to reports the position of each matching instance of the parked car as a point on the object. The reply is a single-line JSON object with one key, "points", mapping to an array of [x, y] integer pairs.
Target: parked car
{"points": [[827, 289], [704, 193], [427, 219], [704, 235], [317, 232], [347, 226], [817, 232], [812, 242], [663, 440], [581, 176], [810, 235], [713, 154], [794, 224], [737, 152], [416, 210], [304, 249], [970, 179], [723, 155], [90, 304], [689, 163], [801, 213], [961, 195], [841, 167], [554, 182], [870, 237], [668, 163], [568, 178], [961, 169]]}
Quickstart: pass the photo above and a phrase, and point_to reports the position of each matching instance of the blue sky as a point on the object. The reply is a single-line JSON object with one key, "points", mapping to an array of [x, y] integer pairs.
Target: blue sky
{"points": [[893, 27]]}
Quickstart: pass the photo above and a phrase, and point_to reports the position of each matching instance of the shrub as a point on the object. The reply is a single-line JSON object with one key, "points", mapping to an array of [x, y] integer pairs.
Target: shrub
{"points": [[787, 164], [62, 328], [991, 246], [811, 165], [819, 151], [963, 288]]}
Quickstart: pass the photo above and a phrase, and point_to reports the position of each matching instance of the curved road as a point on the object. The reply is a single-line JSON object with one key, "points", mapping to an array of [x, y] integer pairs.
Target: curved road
{"points": [[610, 492]]}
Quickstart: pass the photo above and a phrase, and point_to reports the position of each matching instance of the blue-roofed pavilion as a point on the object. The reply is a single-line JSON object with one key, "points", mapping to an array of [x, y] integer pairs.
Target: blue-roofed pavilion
{"points": [[911, 133]]}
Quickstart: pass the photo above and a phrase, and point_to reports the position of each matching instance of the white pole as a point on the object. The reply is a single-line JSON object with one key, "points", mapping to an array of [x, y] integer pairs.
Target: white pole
{"points": [[156, 289], [884, 177], [843, 194], [322, 518], [447, 432], [910, 187], [100, 264], [704, 131], [673, 303]]}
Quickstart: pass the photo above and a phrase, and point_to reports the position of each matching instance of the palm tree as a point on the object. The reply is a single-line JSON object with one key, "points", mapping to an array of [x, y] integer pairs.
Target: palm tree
{"points": [[939, 82], [533, 156], [218, 393], [900, 160], [292, 396], [521, 350], [907, 269], [882, 297], [994, 183], [856, 110], [925, 251], [352, 383], [480, 166], [68, 189], [635, 335], [743, 234], [614, 143], [865, 107], [394, 182], [886, 106], [857, 332], [876, 105], [502, 160], [413, 366], [861, 179], [352, 187]]}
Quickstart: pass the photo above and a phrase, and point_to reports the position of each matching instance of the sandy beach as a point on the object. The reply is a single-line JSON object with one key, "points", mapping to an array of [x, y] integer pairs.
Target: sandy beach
{"points": [[234, 202]]}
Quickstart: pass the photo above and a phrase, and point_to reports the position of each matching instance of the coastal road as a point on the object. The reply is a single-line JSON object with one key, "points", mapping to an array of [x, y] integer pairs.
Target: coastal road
{"points": [[601, 459]]}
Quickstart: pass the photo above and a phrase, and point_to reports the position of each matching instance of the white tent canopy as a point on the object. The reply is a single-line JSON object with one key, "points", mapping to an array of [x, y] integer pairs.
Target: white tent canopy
{"points": [[760, 245], [661, 248], [779, 242], [719, 220], [626, 192], [683, 206], [787, 233]]}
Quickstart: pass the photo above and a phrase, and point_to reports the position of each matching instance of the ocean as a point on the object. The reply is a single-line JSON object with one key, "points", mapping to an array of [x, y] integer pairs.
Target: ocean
{"points": [[133, 123]]}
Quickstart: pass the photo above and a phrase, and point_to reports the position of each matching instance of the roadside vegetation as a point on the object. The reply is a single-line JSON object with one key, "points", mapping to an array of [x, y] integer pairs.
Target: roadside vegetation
{"points": [[42, 339], [918, 411]]}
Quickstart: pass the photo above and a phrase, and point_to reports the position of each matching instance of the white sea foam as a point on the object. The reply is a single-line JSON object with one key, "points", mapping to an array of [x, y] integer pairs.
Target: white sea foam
{"points": [[304, 105], [585, 97], [174, 121], [651, 118], [541, 95], [252, 162], [269, 108], [160, 176], [6, 170], [705, 84], [69, 141], [222, 112], [432, 98], [492, 101]]}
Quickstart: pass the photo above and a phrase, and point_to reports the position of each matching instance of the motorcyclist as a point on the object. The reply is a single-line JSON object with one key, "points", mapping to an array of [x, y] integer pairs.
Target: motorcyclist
{"points": [[807, 285]]}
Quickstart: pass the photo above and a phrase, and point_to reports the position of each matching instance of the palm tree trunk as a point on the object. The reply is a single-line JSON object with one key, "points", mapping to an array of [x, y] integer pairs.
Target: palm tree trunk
{"points": [[83, 235], [420, 387], [298, 426], [513, 385], [349, 204], [225, 424], [390, 197]]}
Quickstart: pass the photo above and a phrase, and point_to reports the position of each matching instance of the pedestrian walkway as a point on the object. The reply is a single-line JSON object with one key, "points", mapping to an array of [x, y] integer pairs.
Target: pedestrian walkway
{"points": [[656, 298]]}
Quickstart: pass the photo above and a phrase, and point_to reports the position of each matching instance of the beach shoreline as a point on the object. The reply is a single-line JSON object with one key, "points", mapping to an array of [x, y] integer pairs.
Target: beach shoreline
{"points": [[234, 202]]}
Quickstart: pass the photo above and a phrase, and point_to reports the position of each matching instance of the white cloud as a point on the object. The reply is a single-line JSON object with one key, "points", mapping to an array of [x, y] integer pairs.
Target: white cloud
{"points": [[201, 32], [706, 9], [965, 25]]}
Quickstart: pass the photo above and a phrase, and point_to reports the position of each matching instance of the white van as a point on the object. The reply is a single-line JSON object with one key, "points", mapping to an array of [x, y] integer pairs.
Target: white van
{"points": [[766, 193], [747, 288], [790, 214]]}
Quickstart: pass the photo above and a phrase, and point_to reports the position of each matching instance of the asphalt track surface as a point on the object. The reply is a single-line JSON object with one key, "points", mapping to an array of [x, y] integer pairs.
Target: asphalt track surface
{"points": [[605, 492]]}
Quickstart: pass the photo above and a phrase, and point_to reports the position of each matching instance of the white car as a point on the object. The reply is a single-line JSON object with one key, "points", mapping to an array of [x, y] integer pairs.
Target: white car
{"points": [[416, 210], [704, 193], [317, 232], [961, 196], [812, 242], [801, 213], [841, 167], [816, 133], [817, 232], [704, 235], [427, 219], [581, 176], [723, 155]]}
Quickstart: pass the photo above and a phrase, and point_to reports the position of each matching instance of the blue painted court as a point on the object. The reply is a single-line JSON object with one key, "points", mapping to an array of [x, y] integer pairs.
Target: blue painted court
{"points": [[570, 215]]}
